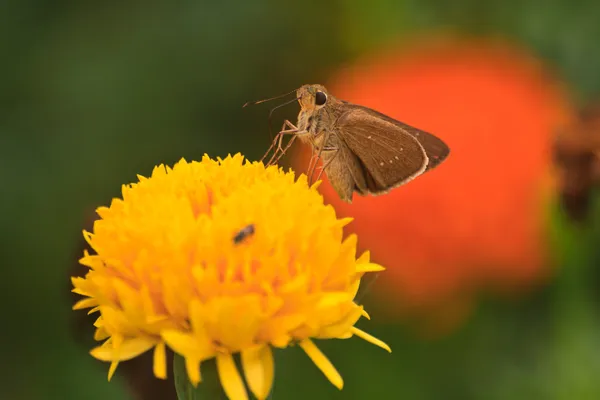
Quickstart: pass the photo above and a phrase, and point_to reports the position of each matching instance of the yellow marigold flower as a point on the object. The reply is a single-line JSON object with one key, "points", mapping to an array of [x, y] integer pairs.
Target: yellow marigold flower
{"points": [[171, 269]]}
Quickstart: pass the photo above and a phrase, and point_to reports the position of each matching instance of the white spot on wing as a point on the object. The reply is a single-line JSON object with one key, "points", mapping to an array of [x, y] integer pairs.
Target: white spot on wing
{"points": [[381, 163]]}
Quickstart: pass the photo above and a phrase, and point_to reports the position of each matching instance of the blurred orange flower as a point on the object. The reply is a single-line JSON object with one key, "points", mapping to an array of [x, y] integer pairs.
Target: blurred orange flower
{"points": [[477, 220]]}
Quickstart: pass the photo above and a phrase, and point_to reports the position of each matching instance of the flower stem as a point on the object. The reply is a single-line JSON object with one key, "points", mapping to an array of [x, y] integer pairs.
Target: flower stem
{"points": [[209, 388]]}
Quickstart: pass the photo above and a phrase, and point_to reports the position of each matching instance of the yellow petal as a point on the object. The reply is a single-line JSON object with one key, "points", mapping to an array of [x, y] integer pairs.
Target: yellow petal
{"points": [[93, 310], [116, 340], [342, 327], [334, 299], [146, 299], [182, 343], [365, 314], [353, 290], [371, 339], [112, 369], [349, 244], [192, 366], [87, 261], [230, 378], [129, 298], [126, 351], [77, 281], [81, 291], [369, 267], [322, 362], [281, 341], [88, 237], [85, 303], [160, 361], [154, 319], [188, 345], [344, 221], [196, 310], [259, 370], [100, 334], [364, 257], [115, 320]]}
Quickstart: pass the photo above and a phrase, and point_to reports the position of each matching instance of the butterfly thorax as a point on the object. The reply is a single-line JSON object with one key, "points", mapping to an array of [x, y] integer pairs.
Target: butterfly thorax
{"points": [[316, 125]]}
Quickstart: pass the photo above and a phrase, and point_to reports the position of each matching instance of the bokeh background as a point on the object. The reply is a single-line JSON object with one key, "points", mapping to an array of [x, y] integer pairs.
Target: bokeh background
{"points": [[493, 281]]}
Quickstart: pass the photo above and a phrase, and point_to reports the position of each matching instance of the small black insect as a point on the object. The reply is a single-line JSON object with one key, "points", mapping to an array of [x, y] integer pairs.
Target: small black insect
{"points": [[243, 234]]}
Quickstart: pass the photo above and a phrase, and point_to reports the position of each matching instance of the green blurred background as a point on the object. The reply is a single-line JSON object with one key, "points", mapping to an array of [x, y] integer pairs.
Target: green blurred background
{"points": [[93, 93]]}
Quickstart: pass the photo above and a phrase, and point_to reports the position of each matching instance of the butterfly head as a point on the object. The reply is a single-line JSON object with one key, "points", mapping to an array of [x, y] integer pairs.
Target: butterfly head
{"points": [[312, 97]]}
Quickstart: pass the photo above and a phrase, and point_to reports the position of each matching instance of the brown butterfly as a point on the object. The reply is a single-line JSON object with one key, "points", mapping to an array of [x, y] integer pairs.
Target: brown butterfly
{"points": [[361, 149]]}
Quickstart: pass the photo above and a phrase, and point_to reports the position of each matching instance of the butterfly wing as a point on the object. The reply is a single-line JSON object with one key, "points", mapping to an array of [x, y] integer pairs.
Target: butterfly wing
{"points": [[390, 152], [436, 150]]}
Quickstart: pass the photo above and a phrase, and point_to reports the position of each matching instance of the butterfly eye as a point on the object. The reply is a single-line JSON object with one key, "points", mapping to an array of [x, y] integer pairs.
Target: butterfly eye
{"points": [[320, 98]]}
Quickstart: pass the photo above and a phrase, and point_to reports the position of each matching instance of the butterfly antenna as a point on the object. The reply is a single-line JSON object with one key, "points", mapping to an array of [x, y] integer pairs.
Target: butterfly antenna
{"points": [[271, 114], [269, 99]]}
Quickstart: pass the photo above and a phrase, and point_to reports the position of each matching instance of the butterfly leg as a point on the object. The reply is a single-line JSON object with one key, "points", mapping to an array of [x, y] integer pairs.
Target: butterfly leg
{"points": [[312, 167], [287, 147], [314, 157], [280, 150], [271, 147], [277, 141], [325, 165], [287, 128]]}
